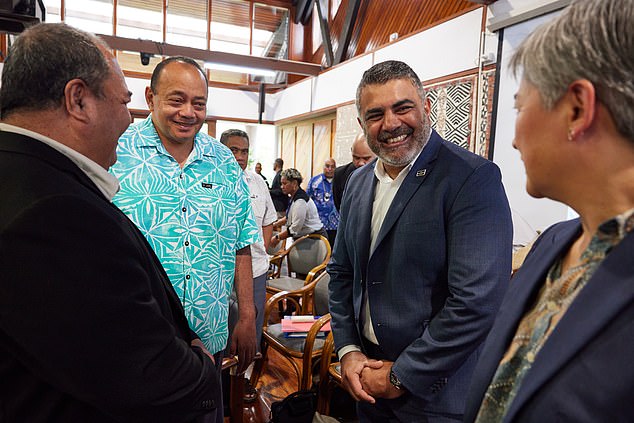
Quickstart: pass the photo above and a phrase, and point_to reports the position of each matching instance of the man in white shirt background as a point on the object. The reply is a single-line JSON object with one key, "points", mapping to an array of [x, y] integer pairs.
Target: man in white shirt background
{"points": [[264, 213]]}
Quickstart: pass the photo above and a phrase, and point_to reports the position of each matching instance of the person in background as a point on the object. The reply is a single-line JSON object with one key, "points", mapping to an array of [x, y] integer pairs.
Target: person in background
{"points": [[258, 170], [91, 330], [361, 154], [302, 217], [421, 260], [238, 142], [320, 191], [187, 194], [277, 194], [562, 345]]}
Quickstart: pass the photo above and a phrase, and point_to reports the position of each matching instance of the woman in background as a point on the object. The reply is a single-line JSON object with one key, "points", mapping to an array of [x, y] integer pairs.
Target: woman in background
{"points": [[302, 217], [561, 348]]}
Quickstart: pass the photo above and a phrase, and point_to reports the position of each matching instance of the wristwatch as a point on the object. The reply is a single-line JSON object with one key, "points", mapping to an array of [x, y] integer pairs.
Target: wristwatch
{"points": [[394, 380]]}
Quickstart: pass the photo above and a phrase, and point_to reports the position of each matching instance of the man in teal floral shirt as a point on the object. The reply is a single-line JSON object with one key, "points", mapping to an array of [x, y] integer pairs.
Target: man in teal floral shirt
{"points": [[186, 193]]}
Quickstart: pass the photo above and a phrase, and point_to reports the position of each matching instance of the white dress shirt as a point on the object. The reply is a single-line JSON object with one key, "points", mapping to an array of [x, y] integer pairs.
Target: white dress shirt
{"points": [[384, 193], [264, 212]]}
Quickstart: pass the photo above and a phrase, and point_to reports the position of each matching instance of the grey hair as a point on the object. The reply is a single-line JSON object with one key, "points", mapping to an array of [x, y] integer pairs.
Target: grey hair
{"points": [[384, 72], [592, 40], [43, 59], [224, 137], [292, 175]]}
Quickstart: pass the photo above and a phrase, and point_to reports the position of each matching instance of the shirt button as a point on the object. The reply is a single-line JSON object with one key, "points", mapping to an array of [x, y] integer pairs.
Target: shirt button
{"points": [[184, 209], [186, 243], [187, 276], [181, 176]]}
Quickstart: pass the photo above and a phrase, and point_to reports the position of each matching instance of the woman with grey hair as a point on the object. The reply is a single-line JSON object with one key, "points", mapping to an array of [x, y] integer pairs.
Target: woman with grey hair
{"points": [[301, 217], [561, 348]]}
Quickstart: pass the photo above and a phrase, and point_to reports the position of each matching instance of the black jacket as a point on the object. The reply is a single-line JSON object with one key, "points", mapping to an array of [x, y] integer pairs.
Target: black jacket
{"points": [[91, 329]]}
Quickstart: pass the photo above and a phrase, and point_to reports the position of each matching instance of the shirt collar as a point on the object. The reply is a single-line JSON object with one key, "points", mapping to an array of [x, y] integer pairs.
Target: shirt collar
{"points": [[108, 184], [150, 138]]}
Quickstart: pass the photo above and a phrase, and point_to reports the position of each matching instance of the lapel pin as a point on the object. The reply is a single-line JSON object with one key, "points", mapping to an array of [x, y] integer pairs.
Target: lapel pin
{"points": [[421, 172]]}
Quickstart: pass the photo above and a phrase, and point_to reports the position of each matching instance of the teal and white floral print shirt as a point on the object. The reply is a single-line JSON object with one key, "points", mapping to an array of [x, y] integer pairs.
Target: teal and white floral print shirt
{"points": [[195, 219]]}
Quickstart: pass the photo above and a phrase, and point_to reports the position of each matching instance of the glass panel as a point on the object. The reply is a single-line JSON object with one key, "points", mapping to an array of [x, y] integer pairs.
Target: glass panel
{"points": [[187, 23], [270, 31], [228, 77], [270, 38], [137, 19], [334, 7], [53, 10], [230, 32], [230, 26], [90, 15]]}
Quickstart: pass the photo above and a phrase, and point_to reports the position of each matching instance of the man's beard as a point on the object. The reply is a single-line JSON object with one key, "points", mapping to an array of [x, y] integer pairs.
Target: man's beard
{"points": [[419, 141]]}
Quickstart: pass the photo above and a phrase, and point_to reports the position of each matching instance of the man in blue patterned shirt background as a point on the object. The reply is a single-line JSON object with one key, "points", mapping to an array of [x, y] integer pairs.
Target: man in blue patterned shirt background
{"points": [[186, 193], [320, 190]]}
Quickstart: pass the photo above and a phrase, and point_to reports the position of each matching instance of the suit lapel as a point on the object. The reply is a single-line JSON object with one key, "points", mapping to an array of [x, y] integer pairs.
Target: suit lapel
{"points": [[609, 290], [366, 199], [414, 179]]}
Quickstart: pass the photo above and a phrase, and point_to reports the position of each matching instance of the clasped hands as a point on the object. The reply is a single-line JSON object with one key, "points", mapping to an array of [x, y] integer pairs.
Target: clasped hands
{"points": [[367, 379]]}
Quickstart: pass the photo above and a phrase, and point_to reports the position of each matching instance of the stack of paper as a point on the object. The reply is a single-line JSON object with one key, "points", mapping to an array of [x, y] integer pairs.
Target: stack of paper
{"points": [[298, 326]]}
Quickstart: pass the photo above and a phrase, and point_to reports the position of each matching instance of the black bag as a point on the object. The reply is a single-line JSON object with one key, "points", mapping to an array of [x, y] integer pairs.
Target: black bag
{"points": [[298, 407]]}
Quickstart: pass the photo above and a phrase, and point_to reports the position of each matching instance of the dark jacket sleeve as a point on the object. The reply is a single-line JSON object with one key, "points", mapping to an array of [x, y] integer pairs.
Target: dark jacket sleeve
{"points": [[478, 239], [86, 314]]}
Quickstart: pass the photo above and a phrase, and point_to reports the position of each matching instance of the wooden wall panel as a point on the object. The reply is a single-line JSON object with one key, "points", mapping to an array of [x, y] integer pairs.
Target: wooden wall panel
{"points": [[303, 151], [377, 19], [322, 145], [288, 147]]}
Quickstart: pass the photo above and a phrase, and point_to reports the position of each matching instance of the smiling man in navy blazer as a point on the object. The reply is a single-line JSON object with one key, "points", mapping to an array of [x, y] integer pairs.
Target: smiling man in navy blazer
{"points": [[421, 261]]}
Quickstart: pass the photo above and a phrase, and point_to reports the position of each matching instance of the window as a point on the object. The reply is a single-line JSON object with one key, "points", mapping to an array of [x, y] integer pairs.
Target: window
{"points": [[187, 23], [53, 10], [137, 19], [270, 31], [90, 15]]}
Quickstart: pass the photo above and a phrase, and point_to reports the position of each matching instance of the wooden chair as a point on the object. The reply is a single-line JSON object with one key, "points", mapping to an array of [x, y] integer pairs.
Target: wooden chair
{"points": [[306, 258], [306, 349], [329, 375]]}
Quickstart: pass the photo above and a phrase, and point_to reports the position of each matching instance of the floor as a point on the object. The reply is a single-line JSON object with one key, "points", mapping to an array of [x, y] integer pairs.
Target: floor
{"points": [[277, 381]]}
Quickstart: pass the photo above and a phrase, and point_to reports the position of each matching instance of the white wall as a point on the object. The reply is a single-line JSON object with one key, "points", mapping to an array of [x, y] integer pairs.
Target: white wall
{"points": [[539, 213]]}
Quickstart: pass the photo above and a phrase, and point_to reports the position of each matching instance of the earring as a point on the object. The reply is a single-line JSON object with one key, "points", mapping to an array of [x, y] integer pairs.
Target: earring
{"points": [[570, 134]]}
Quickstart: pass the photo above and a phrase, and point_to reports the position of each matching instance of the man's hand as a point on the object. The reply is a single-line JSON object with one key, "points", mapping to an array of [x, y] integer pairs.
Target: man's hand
{"points": [[352, 366], [243, 343], [376, 382], [198, 343]]}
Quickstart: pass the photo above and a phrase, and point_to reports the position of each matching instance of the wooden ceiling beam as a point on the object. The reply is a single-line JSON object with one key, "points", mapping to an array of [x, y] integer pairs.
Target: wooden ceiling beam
{"points": [[164, 49]]}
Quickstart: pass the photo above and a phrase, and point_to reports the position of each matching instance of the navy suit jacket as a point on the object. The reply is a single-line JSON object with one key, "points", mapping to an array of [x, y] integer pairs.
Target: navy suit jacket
{"points": [[438, 273], [91, 329], [585, 370]]}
